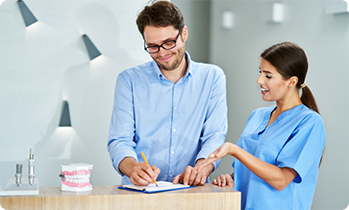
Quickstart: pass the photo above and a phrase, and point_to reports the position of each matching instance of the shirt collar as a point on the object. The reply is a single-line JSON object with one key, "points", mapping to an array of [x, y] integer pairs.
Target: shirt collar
{"points": [[188, 73]]}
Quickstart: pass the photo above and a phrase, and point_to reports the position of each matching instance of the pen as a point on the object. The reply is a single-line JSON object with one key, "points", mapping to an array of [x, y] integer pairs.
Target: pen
{"points": [[146, 162]]}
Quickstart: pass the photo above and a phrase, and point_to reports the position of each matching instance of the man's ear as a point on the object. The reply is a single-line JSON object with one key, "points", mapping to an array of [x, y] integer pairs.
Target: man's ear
{"points": [[185, 33]]}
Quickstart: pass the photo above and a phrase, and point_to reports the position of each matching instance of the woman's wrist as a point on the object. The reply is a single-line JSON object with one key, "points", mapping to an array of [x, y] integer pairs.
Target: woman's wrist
{"points": [[232, 149]]}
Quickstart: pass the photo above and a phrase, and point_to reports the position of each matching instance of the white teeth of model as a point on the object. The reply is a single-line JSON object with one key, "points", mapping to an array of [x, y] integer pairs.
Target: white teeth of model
{"points": [[77, 178], [264, 90]]}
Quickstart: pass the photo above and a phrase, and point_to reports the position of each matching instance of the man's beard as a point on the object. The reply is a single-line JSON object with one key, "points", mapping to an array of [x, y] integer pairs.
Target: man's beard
{"points": [[179, 57]]}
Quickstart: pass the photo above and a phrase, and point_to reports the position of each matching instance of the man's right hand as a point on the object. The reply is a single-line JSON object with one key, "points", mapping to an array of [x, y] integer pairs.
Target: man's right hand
{"points": [[139, 173]]}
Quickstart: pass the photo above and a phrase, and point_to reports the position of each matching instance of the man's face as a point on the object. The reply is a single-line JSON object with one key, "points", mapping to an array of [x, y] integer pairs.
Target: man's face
{"points": [[166, 59]]}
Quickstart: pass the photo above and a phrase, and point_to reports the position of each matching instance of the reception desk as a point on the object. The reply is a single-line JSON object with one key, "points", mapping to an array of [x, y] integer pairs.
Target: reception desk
{"points": [[110, 197]]}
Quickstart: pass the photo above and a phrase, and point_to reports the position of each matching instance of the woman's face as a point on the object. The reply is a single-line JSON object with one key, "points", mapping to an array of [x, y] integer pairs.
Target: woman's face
{"points": [[273, 85]]}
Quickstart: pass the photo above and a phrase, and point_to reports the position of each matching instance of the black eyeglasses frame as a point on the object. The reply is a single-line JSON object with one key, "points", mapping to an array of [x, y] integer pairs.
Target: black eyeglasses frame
{"points": [[174, 41]]}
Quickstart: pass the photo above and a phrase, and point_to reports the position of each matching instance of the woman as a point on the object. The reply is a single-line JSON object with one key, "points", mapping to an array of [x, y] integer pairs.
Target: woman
{"points": [[278, 154]]}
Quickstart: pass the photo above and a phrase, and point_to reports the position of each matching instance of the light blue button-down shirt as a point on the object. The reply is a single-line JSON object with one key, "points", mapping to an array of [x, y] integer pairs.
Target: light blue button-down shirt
{"points": [[174, 124]]}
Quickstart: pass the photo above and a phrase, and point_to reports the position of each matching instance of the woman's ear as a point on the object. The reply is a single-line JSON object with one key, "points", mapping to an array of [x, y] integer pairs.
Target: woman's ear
{"points": [[292, 82]]}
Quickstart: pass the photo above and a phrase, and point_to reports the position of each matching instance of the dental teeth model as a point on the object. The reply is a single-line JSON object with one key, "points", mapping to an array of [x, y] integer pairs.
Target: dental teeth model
{"points": [[76, 177]]}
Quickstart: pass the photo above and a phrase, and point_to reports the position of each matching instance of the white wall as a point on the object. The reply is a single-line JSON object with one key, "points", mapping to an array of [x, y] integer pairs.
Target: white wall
{"points": [[46, 63], [325, 38]]}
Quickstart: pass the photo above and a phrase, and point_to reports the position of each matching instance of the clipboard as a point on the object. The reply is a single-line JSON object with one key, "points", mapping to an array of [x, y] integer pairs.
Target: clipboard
{"points": [[163, 186]]}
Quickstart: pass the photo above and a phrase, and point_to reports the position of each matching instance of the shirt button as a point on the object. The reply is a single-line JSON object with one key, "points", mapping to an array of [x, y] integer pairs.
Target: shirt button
{"points": [[172, 152], [170, 175], [175, 107], [174, 130]]}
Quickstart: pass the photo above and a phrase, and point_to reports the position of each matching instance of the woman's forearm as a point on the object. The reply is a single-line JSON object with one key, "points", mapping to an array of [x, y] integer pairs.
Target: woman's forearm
{"points": [[277, 177]]}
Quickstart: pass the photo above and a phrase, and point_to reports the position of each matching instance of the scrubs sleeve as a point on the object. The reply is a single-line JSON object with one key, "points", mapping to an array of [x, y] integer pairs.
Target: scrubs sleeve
{"points": [[215, 126], [121, 133], [304, 147]]}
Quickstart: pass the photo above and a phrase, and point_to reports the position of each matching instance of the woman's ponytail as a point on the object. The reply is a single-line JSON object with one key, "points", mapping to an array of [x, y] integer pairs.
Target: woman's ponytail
{"points": [[308, 99]]}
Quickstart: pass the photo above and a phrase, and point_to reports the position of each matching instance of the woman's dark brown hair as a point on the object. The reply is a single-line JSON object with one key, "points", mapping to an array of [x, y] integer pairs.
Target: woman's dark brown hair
{"points": [[290, 60], [160, 14]]}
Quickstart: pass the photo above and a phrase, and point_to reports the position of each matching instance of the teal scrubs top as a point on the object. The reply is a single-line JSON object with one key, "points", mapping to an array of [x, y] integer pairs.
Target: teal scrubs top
{"points": [[296, 140]]}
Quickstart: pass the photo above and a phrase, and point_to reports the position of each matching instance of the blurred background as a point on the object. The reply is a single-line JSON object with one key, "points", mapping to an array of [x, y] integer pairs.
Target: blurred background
{"points": [[47, 63]]}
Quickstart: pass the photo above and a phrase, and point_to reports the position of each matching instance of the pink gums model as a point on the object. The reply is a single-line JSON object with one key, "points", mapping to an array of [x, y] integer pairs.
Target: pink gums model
{"points": [[76, 177]]}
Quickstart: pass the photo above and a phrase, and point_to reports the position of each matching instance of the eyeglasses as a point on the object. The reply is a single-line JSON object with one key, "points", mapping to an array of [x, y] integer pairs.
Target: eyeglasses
{"points": [[167, 45]]}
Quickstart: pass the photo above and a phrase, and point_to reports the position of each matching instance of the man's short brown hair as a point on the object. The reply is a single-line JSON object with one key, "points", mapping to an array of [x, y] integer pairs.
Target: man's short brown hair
{"points": [[160, 14]]}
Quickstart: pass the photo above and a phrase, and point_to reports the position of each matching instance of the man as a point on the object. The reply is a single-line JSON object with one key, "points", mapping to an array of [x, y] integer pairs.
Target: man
{"points": [[172, 108]]}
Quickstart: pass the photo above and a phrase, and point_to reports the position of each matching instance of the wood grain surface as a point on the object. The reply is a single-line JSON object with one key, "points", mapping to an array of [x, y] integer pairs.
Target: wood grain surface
{"points": [[110, 197]]}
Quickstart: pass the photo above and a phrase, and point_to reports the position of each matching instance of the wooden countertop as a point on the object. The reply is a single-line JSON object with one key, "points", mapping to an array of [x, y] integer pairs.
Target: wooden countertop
{"points": [[110, 197]]}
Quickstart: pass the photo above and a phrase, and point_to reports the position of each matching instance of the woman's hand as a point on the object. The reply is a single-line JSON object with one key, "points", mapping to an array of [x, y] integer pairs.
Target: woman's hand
{"points": [[225, 149], [223, 180]]}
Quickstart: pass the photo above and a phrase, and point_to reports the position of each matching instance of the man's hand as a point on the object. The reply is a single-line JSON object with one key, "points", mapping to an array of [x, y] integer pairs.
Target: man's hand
{"points": [[190, 176], [140, 173]]}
